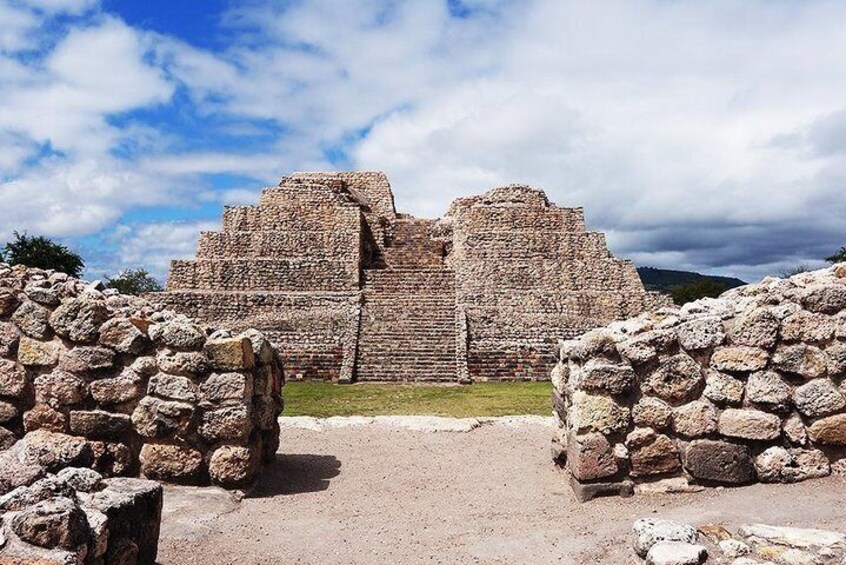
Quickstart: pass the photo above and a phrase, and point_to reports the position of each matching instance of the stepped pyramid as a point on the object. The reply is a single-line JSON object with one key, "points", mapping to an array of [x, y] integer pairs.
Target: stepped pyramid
{"points": [[350, 290]]}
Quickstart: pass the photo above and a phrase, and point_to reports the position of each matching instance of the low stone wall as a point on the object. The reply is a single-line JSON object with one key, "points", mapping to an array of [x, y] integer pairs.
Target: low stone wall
{"points": [[77, 517], [747, 387], [138, 389]]}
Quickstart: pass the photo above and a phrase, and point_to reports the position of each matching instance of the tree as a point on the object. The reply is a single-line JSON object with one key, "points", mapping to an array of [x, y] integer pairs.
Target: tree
{"points": [[134, 281], [838, 257], [42, 253], [688, 292]]}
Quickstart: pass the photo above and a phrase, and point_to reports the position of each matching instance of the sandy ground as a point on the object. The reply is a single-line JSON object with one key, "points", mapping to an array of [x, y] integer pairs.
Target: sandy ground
{"points": [[379, 493]]}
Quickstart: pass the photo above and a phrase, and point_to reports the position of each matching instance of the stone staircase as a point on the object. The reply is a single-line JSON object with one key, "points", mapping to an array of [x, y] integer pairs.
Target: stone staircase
{"points": [[407, 330]]}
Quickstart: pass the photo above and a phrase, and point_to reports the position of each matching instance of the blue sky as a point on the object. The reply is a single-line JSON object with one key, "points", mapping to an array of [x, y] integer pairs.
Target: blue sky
{"points": [[698, 135]]}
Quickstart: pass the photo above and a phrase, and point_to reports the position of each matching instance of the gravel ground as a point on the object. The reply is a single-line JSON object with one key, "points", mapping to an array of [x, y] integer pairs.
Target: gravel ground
{"points": [[378, 492]]}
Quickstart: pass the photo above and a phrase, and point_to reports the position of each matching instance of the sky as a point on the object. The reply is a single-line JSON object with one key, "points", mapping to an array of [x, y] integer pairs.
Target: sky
{"points": [[707, 136]]}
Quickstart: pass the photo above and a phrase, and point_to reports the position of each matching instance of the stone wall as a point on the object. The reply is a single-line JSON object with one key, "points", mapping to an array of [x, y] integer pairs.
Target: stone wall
{"points": [[75, 517], [350, 290], [747, 387], [140, 389]]}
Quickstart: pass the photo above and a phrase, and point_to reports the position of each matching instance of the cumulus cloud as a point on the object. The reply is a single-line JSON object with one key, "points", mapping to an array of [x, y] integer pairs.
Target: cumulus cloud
{"points": [[708, 136]]}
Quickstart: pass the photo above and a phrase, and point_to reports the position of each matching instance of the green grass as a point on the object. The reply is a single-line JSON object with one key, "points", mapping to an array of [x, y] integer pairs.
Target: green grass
{"points": [[322, 400]]}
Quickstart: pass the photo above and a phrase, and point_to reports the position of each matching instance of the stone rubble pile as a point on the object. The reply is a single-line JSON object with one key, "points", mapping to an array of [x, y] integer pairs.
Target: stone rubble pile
{"points": [[77, 517], [664, 542], [742, 388], [90, 377]]}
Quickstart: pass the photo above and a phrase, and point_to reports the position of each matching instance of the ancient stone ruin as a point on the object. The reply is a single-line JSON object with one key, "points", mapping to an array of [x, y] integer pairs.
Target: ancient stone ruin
{"points": [[92, 378], [747, 387], [351, 290]]}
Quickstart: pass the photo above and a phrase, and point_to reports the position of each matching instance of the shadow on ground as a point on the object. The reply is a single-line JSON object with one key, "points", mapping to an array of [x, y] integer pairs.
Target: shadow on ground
{"points": [[295, 474]]}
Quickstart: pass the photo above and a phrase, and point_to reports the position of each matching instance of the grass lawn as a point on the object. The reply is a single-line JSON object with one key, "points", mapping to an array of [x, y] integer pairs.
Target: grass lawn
{"points": [[304, 398]]}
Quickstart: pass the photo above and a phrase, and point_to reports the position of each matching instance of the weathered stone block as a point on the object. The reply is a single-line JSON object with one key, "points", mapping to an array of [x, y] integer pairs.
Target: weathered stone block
{"points": [[226, 424], [230, 354], [677, 379], [173, 463], [591, 457], [779, 465], [55, 523], [722, 388], [13, 379], [719, 461], [807, 327], [123, 336], [44, 417], [826, 299], [695, 419], [768, 388], [173, 387], [818, 397], [228, 388], [590, 412], [59, 388], [600, 376], [830, 430], [34, 353], [185, 363], [739, 359], [118, 390], [84, 359], [232, 466], [156, 418], [98, 424], [757, 328], [701, 333], [652, 412], [749, 424], [32, 319], [658, 457], [178, 334], [79, 319], [804, 360]]}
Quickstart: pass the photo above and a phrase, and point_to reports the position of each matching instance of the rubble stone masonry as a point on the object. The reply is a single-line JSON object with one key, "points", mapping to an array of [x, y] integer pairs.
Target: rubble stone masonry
{"points": [[92, 378], [728, 391], [351, 290]]}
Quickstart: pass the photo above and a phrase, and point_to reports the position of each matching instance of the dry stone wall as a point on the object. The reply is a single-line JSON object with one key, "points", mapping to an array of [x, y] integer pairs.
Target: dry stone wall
{"points": [[75, 516], [131, 388], [743, 388], [350, 290]]}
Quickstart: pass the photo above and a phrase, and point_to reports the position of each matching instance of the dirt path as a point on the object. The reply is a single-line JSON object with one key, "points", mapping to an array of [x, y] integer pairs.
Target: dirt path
{"points": [[381, 494]]}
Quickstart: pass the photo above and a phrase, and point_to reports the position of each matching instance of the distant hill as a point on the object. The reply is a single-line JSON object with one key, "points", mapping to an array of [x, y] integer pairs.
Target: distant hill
{"points": [[662, 280]]}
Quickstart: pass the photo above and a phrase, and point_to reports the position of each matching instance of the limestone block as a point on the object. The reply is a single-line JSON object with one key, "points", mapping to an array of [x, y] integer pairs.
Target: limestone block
{"points": [[695, 419], [652, 412], [591, 412], [722, 388], [156, 418], [818, 397], [740, 358], [719, 462], [185, 363], [804, 360], [232, 466], [808, 327], [230, 354], [768, 388], [84, 359], [591, 457], [756, 328], [178, 334], [173, 387], [658, 457], [701, 333], [55, 523], [34, 353], [825, 299], [830, 430], [779, 465], [175, 463], [32, 319], [226, 424], [749, 424], [126, 387], [123, 336], [221, 388], [650, 531], [79, 319], [54, 451], [676, 553], [677, 379], [597, 375]]}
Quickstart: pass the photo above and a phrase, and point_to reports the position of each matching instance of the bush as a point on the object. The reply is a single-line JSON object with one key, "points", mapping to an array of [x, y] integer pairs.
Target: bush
{"points": [[134, 281], [42, 253], [684, 293], [838, 257]]}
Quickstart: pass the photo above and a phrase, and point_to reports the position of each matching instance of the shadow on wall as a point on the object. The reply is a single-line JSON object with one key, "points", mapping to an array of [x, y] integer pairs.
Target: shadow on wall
{"points": [[296, 474]]}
